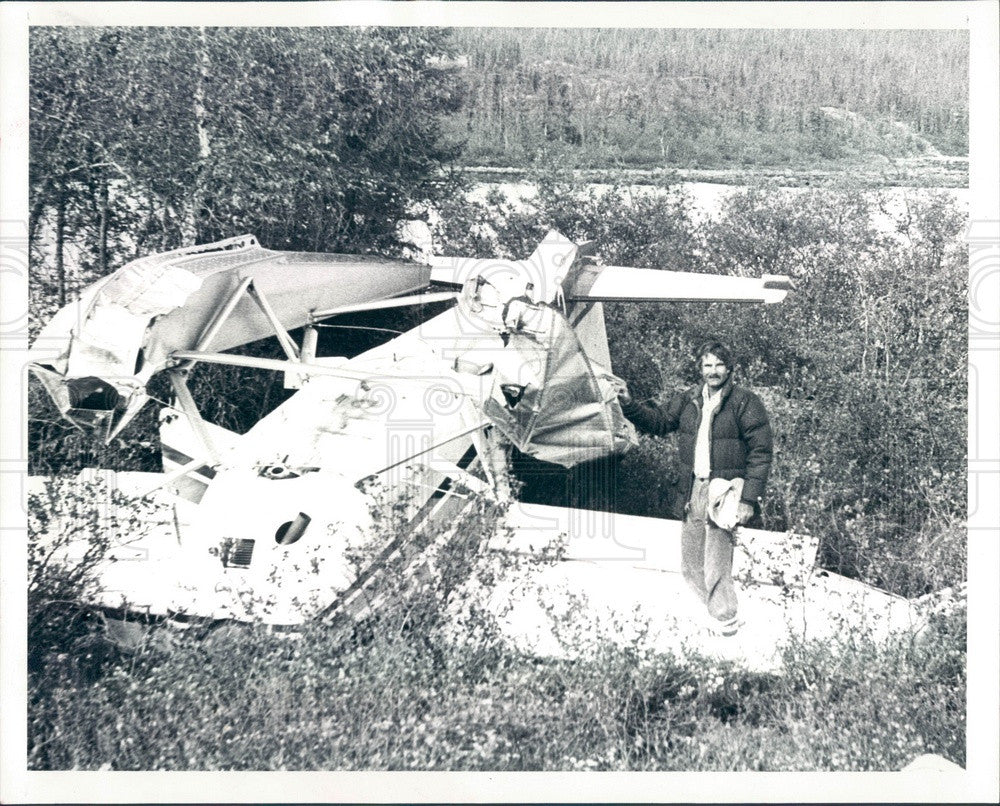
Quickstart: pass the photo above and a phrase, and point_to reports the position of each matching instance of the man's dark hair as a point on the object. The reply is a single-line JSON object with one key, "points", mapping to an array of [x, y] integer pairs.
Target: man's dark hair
{"points": [[716, 348]]}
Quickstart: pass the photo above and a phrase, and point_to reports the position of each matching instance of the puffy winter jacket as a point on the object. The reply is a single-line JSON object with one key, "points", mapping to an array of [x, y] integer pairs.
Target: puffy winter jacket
{"points": [[741, 437]]}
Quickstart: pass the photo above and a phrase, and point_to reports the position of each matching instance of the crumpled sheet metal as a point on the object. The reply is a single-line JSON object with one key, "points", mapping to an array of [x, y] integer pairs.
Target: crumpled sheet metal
{"points": [[550, 399], [125, 327]]}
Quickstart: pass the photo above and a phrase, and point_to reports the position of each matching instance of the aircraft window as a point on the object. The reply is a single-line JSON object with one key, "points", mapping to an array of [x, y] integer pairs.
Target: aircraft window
{"points": [[290, 531]]}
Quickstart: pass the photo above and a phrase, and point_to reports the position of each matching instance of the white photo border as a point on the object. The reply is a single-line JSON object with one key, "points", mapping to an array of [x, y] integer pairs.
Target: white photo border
{"points": [[981, 780]]}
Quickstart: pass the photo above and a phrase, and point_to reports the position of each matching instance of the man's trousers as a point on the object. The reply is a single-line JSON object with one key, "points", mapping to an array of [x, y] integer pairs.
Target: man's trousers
{"points": [[707, 556]]}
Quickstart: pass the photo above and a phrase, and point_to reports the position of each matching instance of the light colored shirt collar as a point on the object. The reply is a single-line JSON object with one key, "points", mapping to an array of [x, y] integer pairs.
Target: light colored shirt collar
{"points": [[703, 440]]}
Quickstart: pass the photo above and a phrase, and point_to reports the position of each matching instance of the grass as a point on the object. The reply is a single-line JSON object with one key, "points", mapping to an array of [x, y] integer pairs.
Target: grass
{"points": [[253, 701], [406, 691]]}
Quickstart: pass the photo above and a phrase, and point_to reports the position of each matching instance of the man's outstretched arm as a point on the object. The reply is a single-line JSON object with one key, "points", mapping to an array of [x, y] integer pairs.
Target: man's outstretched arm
{"points": [[652, 418]]}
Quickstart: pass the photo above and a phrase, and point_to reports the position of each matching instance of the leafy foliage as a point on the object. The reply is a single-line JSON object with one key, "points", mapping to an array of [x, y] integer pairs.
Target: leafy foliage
{"points": [[72, 527], [143, 139], [428, 683]]}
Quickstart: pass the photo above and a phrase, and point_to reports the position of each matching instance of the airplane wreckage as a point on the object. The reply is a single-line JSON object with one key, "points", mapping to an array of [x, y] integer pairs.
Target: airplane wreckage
{"points": [[267, 525]]}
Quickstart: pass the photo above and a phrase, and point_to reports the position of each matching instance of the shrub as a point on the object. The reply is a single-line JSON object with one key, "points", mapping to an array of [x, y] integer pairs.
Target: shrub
{"points": [[254, 700]]}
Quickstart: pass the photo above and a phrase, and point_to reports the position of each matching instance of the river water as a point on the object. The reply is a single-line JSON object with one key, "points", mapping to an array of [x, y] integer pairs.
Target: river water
{"points": [[708, 198]]}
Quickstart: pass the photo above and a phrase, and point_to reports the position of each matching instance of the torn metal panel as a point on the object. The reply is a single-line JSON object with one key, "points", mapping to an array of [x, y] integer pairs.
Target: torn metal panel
{"points": [[547, 396]]}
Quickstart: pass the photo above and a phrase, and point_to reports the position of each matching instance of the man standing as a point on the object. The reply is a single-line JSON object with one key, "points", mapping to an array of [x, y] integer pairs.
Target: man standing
{"points": [[723, 436]]}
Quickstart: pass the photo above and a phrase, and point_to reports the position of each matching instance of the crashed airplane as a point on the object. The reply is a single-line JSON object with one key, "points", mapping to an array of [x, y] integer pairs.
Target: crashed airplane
{"points": [[267, 525]]}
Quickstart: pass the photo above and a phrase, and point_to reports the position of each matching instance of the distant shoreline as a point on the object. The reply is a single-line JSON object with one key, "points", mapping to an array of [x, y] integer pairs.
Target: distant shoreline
{"points": [[921, 172]]}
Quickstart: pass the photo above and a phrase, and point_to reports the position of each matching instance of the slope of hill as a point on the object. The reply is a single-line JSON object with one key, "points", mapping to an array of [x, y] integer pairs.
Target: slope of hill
{"points": [[710, 98]]}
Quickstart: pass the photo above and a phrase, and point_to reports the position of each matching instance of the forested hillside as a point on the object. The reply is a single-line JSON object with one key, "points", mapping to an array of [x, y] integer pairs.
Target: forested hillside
{"points": [[145, 139], [710, 98]]}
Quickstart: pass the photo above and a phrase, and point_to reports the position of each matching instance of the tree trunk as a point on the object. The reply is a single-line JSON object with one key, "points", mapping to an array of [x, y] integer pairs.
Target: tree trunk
{"points": [[102, 231], [35, 214], [60, 238], [189, 232]]}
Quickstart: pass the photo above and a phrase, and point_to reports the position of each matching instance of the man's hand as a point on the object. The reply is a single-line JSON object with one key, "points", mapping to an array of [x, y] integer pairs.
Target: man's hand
{"points": [[744, 512]]}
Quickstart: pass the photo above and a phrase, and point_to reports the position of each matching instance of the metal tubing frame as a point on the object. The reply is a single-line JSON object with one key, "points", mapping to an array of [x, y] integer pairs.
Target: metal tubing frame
{"points": [[289, 346], [398, 302], [464, 431], [302, 367], [190, 409], [455, 473], [136, 402], [221, 316], [246, 286], [493, 458], [310, 337], [177, 473], [278, 365]]}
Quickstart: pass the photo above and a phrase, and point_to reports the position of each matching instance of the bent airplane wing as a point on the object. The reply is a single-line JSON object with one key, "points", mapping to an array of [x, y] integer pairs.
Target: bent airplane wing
{"points": [[96, 354], [553, 391]]}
